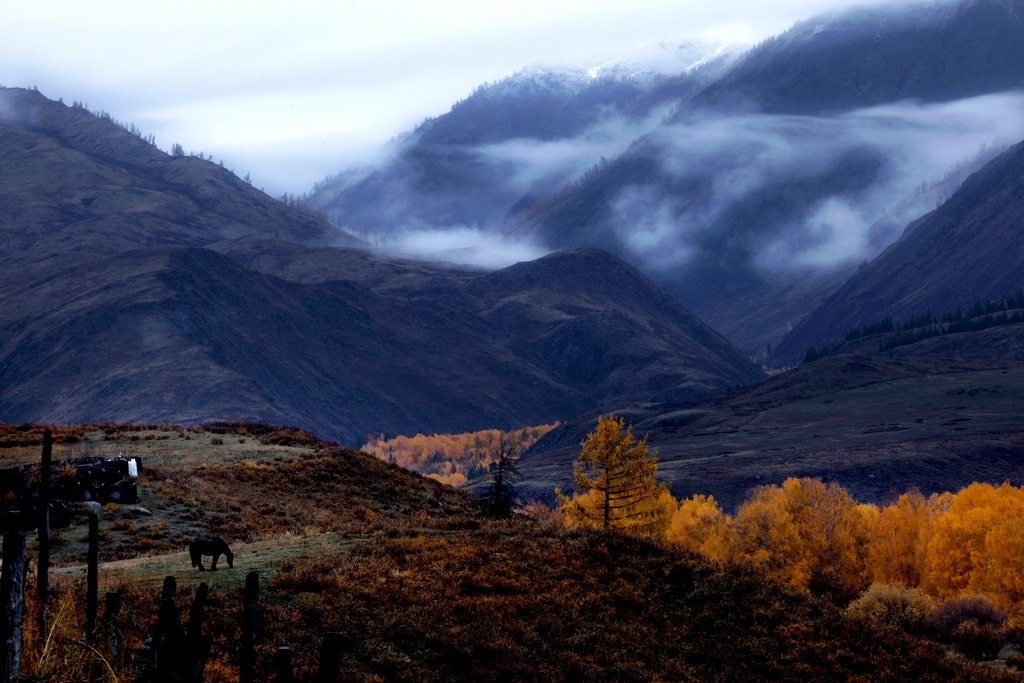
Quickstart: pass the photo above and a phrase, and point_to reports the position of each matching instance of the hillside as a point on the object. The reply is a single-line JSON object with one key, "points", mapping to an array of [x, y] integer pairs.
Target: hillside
{"points": [[245, 482], [875, 425], [931, 51], [421, 589], [965, 251], [189, 335], [72, 180], [151, 288]]}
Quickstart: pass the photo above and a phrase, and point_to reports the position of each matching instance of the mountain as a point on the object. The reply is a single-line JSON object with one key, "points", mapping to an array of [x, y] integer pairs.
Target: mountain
{"points": [[931, 51], [773, 183], [777, 176], [518, 140], [143, 287], [967, 250], [76, 181]]}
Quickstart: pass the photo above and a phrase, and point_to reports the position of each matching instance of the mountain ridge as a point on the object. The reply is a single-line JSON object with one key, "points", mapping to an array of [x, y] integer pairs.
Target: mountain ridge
{"points": [[146, 287], [933, 51], [110, 187]]}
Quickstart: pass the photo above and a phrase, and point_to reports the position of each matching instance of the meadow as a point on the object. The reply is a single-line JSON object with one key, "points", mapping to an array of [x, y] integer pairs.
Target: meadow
{"points": [[424, 589]]}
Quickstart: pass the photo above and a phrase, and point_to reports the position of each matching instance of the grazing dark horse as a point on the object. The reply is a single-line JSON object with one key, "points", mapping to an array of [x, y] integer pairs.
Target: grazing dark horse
{"points": [[209, 546]]}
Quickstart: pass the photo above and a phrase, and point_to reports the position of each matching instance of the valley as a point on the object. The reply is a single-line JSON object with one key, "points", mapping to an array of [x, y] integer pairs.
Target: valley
{"points": [[876, 426], [792, 270]]}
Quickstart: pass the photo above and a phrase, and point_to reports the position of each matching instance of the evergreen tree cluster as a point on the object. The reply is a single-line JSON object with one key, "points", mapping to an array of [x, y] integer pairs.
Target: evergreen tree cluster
{"points": [[982, 315]]}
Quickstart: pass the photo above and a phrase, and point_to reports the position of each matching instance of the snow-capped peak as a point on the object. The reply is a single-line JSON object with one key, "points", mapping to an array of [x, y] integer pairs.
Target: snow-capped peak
{"points": [[643, 67], [665, 59]]}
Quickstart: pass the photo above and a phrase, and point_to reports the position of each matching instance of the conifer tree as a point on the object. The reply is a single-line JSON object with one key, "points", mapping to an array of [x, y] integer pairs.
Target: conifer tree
{"points": [[618, 480], [499, 499]]}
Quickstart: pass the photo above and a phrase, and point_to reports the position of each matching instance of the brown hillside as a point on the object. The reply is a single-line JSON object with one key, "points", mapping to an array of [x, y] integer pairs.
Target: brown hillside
{"points": [[421, 590]]}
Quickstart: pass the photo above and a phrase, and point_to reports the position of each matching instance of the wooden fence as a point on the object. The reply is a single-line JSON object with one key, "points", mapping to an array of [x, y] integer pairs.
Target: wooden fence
{"points": [[174, 653]]}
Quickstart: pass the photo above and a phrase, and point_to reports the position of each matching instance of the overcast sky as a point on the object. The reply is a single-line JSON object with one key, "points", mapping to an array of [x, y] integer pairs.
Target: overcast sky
{"points": [[290, 92]]}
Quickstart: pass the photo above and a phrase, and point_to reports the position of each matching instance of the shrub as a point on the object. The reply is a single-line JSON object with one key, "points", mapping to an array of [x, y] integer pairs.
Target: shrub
{"points": [[972, 624], [894, 605], [1013, 630], [951, 613], [978, 642]]}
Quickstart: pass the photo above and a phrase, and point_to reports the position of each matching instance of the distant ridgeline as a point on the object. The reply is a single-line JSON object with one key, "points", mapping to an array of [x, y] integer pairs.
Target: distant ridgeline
{"points": [[1008, 310]]}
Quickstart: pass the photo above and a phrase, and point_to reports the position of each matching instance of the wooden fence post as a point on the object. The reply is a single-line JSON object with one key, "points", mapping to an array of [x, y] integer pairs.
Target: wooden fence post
{"points": [[197, 646], [12, 601], [247, 655], [167, 636], [285, 669], [92, 578], [111, 608], [43, 533], [331, 647]]}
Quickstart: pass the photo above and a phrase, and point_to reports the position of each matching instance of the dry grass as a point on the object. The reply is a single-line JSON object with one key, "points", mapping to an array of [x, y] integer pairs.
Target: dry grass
{"points": [[505, 603], [257, 483], [424, 591]]}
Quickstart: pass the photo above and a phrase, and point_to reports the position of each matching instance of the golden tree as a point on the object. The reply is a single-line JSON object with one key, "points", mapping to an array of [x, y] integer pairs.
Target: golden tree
{"points": [[618, 480], [700, 526], [975, 545], [899, 538], [806, 533]]}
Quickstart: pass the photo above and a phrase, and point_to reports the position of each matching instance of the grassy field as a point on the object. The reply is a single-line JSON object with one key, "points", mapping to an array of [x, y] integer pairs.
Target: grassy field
{"points": [[264, 556], [167, 446], [245, 487], [425, 590]]}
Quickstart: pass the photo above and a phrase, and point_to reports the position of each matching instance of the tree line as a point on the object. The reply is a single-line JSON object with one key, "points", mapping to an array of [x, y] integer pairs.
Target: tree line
{"points": [[1007, 310], [810, 534], [454, 459]]}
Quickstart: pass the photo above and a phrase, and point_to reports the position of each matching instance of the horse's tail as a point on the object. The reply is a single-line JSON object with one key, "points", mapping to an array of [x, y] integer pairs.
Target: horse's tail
{"points": [[195, 553]]}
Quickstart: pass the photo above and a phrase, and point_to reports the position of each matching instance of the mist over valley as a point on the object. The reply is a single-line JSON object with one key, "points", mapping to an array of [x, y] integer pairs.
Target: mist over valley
{"points": [[707, 351], [371, 303], [748, 206]]}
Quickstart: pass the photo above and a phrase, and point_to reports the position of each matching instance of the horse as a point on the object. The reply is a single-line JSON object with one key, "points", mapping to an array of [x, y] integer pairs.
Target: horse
{"points": [[214, 547]]}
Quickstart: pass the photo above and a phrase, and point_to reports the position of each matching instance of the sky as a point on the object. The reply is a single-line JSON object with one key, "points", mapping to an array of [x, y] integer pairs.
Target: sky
{"points": [[292, 92]]}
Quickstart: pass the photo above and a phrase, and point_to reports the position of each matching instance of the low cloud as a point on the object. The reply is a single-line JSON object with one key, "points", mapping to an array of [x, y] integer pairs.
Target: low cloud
{"points": [[747, 194], [562, 160], [793, 192], [465, 246]]}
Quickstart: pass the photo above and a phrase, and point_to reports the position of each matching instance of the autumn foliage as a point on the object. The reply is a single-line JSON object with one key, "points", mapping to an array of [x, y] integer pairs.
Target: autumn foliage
{"points": [[809, 534], [453, 459], [813, 535], [426, 591], [617, 480]]}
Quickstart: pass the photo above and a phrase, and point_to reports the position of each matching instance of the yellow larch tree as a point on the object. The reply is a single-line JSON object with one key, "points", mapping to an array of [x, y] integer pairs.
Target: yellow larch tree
{"points": [[617, 482]]}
